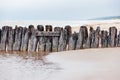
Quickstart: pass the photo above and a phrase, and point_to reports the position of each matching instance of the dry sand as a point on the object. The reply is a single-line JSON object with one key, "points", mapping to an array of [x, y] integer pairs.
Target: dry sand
{"points": [[104, 25], [89, 64]]}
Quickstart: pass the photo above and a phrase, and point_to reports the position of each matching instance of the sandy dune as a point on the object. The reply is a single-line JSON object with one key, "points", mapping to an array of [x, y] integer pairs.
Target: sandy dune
{"points": [[89, 64]]}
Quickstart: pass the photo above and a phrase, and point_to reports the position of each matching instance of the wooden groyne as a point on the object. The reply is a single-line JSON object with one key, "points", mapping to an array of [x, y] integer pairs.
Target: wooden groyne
{"points": [[46, 39]]}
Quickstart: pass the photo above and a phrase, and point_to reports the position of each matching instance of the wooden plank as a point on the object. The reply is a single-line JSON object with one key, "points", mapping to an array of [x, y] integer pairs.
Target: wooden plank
{"points": [[48, 34]]}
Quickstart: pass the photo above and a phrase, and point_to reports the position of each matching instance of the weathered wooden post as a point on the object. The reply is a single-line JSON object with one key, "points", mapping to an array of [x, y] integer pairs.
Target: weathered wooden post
{"points": [[55, 39], [25, 40], [32, 39], [104, 39], [92, 37], [10, 39], [89, 39], [82, 37], [73, 41], [41, 39], [40, 28], [48, 40], [69, 32], [48, 45], [41, 43], [112, 36], [97, 38], [85, 36], [3, 38], [62, 41], [17, 38]]}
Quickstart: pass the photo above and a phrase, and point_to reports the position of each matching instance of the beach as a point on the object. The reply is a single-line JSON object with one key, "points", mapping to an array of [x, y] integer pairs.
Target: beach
{"points": [[83, 64]]}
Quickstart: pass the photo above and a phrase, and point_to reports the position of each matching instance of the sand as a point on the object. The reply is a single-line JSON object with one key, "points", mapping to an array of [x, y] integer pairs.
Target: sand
{"points": [[104, 25], [89, 64]]}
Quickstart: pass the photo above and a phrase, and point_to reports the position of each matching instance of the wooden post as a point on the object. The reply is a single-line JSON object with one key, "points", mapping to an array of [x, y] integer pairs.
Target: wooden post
{"points": [[92, 37], [10, 40], [18, 39], [112, 36], [69, 32], [41, 45], [73, 41], [104, 39], [48, 40], [97, 37], [40, 28], [55, 40], [82, 37], [48, 44], [32, 39], [62, 41], [3, 38], [24, 43]]}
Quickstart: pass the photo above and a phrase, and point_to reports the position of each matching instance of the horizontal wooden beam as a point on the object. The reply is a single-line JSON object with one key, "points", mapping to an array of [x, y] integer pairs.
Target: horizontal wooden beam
{"points": [[48, 34]]}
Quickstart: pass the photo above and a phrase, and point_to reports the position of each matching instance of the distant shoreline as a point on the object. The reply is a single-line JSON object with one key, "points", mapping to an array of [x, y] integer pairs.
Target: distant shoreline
{"points": [[26, 23]]}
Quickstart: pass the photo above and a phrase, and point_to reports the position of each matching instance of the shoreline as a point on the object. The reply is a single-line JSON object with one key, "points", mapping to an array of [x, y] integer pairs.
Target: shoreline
{"points": [[54, 23]]}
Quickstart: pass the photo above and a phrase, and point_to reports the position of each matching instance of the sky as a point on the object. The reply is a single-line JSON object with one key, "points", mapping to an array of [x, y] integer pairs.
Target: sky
{"points": [[57, 9]]}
